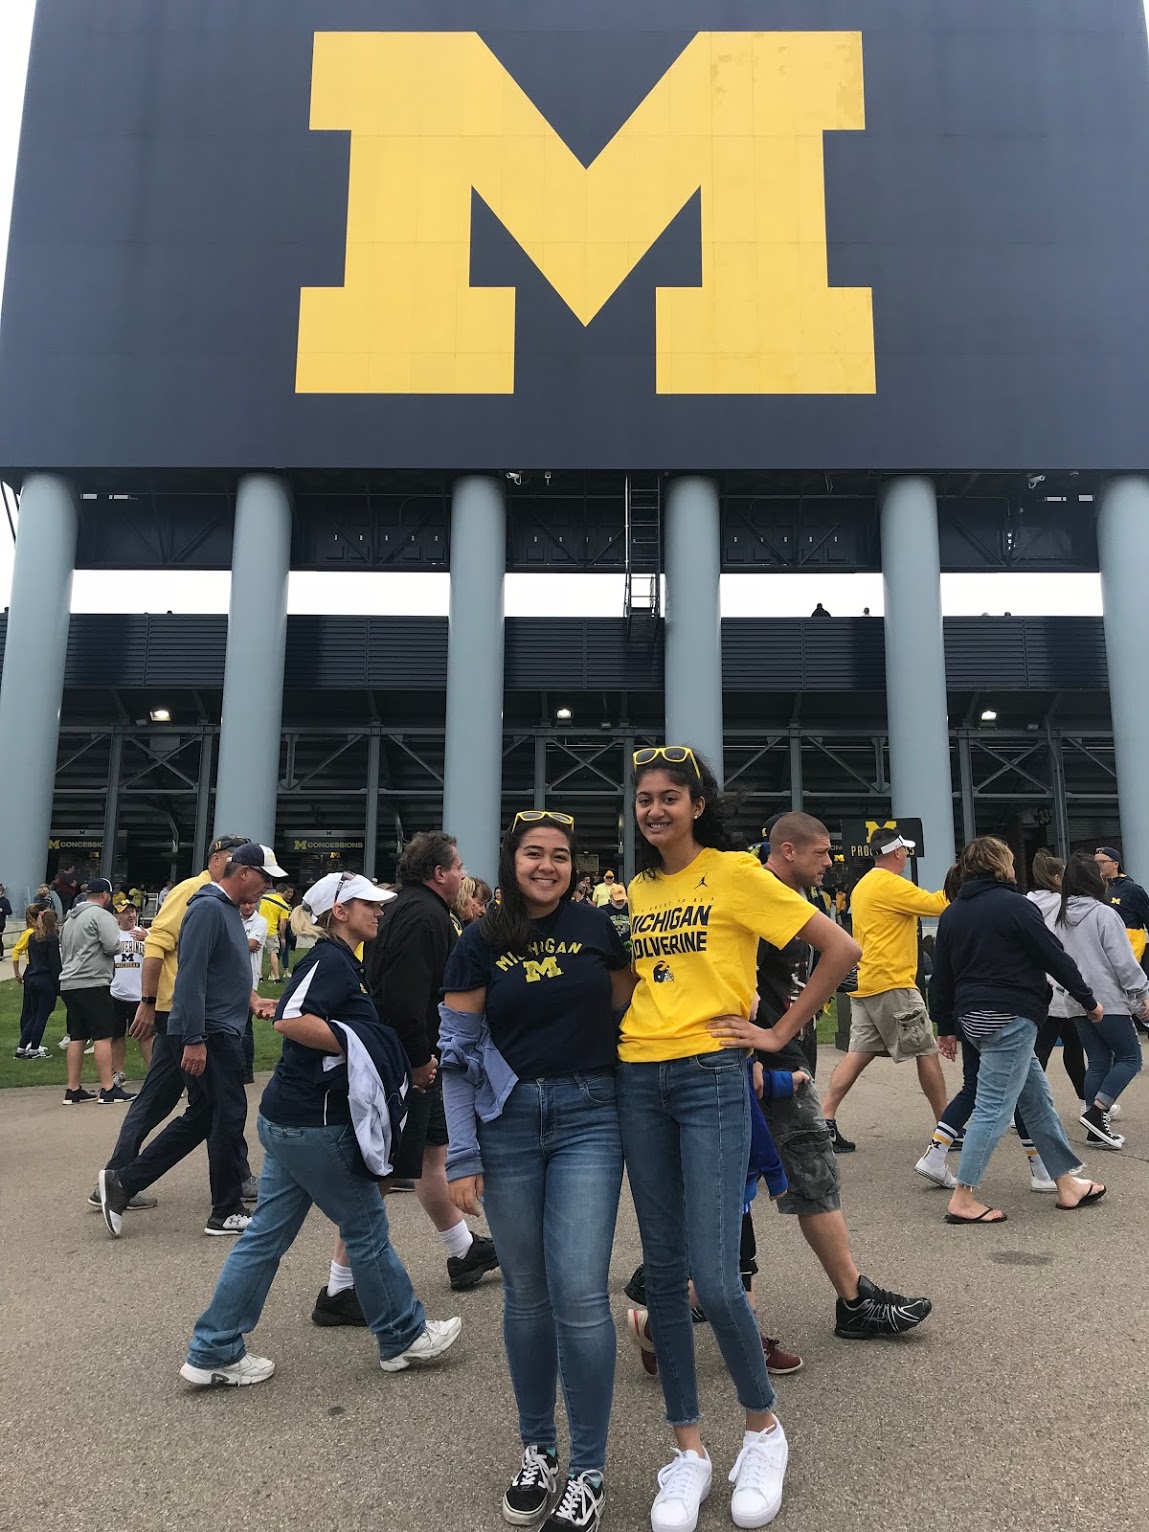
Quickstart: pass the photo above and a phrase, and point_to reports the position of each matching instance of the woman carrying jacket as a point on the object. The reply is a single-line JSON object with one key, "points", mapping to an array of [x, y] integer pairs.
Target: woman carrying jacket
{"points": [[990, 964], [1095, 937], [312, 1132]]}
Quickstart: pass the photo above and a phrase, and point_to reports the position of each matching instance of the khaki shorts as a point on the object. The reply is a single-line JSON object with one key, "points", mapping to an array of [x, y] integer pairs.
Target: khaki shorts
{"points": [[895, 1022]]}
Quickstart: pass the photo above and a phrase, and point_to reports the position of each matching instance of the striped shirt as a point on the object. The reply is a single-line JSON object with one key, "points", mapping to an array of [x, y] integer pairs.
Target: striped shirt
{"points": [[978, 1025]]}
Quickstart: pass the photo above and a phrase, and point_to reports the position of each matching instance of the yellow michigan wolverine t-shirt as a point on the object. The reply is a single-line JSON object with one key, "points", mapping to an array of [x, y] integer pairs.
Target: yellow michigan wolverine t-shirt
{"points": [[694, 936]]}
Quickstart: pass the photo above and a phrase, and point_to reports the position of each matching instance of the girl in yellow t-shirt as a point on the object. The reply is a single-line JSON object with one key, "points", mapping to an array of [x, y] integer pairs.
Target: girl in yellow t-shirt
{"points": [[698, 910]]}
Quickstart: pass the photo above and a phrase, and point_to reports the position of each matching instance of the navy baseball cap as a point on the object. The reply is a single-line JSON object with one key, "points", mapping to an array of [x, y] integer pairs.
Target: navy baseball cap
{"points": [[1111, 852], [262, 858], [99, 886]]}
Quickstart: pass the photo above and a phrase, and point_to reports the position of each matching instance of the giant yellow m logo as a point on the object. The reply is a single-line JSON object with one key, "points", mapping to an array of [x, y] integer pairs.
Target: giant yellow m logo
{"points": [[738, 116]]}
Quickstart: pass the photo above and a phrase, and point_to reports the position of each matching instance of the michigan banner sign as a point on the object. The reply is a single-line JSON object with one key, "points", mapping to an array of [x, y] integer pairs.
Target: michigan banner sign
{"points": [[767, 234]]}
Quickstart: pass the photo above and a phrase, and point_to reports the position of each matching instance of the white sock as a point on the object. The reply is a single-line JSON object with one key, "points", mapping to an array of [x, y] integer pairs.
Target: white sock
{"points": [[340, 1279], [458, 1239], [1037, 1168]]}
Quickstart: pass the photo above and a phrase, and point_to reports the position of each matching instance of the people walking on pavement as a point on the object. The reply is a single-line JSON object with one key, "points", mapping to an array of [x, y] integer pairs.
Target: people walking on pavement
{"points": [[799, 857], [992, 955], [89, 941], [164, 1082], [698, 910], [328, 1122], [209, 1011], [888, 1017], [1092, 932], [41, 981], [1048, 871], [529, 1043]]}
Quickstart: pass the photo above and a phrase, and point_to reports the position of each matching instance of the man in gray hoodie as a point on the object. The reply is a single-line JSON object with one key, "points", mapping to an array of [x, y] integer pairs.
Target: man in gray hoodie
{"points": [[207, 1020], [89, 941]]}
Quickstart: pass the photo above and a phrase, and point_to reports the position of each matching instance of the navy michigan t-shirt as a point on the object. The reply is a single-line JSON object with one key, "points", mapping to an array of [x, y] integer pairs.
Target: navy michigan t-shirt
{"points": [[549, 1010]]}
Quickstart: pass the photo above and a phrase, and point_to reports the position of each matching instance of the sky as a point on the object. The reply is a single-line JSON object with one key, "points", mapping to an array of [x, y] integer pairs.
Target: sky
{"points": [[526, 595]]}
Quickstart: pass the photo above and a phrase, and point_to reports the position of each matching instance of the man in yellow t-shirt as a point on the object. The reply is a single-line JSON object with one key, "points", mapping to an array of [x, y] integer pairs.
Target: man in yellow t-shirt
{"points": [[888, 1017], [601, 895], [275, 910]]}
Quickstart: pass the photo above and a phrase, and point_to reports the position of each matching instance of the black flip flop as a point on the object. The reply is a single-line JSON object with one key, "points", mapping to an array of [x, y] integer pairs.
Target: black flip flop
{"points": [[981, 1218], [1090, 1196]]}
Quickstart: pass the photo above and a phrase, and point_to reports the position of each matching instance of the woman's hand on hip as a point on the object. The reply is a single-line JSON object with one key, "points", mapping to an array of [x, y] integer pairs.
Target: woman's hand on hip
{"points": [[467, 1194]]}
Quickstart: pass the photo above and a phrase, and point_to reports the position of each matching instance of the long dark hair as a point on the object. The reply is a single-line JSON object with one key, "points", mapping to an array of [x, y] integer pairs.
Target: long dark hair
{"points": [[506, 926], [1083, 879], [1048, 870], [713, 826]]}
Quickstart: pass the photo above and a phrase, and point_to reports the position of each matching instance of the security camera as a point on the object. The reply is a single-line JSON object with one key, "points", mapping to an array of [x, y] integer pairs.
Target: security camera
{"points": [[515, 478], [1035, 479]]}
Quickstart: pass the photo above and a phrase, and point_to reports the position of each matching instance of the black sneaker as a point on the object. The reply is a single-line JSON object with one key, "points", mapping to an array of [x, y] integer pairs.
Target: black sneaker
{"points": [[533, 1488], [877, 1312], [74, 1097], [139, 1203], [839, 1144], [114, 1199], [343, 1309], [635, 1289], [580, 1509], [115, 1095], [1101, 1131], [468, 1270]]}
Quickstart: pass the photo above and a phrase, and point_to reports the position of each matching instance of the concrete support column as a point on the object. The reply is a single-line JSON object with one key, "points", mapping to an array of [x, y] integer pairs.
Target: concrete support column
{"points": [[35, 649], [248, 778], [693, 557], [1124, 558], [473, 762], [916, 670]]}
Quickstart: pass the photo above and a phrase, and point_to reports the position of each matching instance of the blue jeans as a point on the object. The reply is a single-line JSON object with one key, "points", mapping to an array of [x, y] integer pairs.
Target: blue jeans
{"points": [[957, 1112], [1010, 1076], [552, 1172], [1114, 1053], [302, 1166], [686, 1137]]}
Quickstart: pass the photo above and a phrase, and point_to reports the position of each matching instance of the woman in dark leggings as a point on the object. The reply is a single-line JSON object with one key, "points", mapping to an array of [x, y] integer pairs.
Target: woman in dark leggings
{"points": [[41, 983], [948, 1133], [1048, 871]]}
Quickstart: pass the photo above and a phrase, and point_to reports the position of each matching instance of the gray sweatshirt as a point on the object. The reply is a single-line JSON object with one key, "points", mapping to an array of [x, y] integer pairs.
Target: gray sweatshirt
{"points": [[1095, 937], [213, 980], [89, 941]]}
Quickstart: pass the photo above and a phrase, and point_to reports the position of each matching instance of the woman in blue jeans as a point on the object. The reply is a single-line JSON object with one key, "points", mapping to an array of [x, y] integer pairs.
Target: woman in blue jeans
{"points": [[991, 958], [698, 910], [313, 1155], [529, 1045]]}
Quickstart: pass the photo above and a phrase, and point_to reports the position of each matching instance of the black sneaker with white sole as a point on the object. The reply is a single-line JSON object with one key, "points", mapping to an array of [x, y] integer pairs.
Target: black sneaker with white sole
{"points": [[876, 1312], [74, 1097], [580, 1508], [533, 1488], [114, 1199], [469, 1270], [838, 1140], [234, 1223], [1102, 1133], [343, 1309]]}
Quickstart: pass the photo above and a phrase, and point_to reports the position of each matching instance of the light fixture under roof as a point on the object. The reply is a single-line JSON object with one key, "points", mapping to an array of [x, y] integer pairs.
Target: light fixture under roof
{"points": [[563, 715], [160, 715], [988, 715]]}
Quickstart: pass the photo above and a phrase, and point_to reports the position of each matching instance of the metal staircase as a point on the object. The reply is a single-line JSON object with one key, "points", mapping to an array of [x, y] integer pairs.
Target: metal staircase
{"points": [[643, 599]]}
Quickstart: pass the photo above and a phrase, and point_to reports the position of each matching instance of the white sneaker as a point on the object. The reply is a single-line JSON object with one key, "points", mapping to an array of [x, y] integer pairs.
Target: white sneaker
{"points": [[1039, 1178], [37, 1053], [682, 1487], [757, 1477], [249, 1369], [933, 1166], [438, 1335], [1115, 1110], [65, 1040], [234, 1223]]}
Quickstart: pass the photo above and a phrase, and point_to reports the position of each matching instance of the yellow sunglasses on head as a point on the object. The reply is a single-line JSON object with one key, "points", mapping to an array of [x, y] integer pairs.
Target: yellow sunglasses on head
{"points": [[533, 816], [673, 755]]}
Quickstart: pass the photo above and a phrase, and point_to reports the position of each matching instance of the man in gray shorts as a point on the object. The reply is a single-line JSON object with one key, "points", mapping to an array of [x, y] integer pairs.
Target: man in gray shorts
{"points": [[799, 854]]}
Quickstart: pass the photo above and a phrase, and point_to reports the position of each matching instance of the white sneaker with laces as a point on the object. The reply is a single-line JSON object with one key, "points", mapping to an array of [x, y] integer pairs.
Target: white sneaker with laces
{"points": [[438, 1336], [933, 1166], [682, 1487], [757, 1477], [234, 1223], [249, 1369]]}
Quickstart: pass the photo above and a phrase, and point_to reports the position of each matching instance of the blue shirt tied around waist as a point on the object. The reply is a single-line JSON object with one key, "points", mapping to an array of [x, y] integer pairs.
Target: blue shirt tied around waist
{"points": [[765, 1163], [476, 1083]]}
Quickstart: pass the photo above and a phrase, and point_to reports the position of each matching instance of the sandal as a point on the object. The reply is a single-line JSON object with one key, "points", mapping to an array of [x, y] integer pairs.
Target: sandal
{"points": [[1094, 1194], [981, 1217]]}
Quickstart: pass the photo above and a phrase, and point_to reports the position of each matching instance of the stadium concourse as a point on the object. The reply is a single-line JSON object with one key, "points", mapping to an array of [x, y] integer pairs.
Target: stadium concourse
{"points": [[1038, 1326]]}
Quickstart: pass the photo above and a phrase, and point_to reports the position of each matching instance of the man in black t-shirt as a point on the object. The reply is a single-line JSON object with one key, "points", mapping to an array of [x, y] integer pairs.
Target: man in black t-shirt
{"points": [[799, 854]]}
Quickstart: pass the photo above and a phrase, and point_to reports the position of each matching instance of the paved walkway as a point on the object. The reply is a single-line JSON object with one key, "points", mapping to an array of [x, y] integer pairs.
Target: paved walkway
{"points": [[1022, 1402]]}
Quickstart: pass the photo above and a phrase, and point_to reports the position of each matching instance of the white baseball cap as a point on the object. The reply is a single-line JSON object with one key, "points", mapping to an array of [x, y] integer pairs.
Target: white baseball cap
{"points": [[338, 887], [897, 842]]}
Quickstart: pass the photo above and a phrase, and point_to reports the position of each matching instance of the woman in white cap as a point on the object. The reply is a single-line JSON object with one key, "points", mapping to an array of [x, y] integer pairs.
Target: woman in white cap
{"points": [[326, 1123]]}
